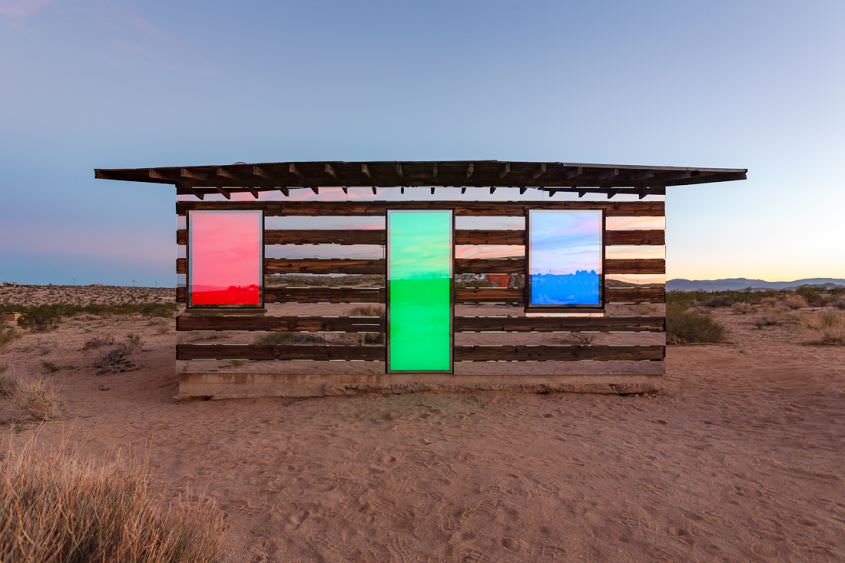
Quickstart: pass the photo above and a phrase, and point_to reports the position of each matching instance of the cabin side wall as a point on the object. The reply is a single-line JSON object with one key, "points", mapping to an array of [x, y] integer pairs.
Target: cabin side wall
{"points": [[322, 330]]}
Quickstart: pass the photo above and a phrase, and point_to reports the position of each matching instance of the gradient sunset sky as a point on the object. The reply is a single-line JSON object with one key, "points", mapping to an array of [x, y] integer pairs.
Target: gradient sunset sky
{"points": [[105, 83]]}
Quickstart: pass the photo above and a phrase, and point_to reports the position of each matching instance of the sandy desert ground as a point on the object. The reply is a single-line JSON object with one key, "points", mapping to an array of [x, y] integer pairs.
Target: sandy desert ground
{"points": [[739, 459]]}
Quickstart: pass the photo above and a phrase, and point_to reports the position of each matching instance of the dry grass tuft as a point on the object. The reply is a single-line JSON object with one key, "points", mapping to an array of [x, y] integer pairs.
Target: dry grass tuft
{"points": [[119, 358], [826, 327], [28, 400], [60, 508], [794, 301], [7, 335]]}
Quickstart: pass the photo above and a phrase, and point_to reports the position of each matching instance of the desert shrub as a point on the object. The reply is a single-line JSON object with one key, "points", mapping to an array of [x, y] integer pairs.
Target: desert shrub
{"points": [[119, 358], [48, 317], [49, 367], [812, 295], [7, 335], [686, 326], [366, 311], [825, 327], [31, 399], [60, 508], [794, 301], [838, 304], [715, 299]]}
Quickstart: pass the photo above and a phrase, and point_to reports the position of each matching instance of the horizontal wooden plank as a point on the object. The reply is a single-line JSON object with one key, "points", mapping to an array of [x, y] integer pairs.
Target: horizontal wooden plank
{"points": [[463, 295], [558, 370], [513, 237], [312, 295], [469, 208], [323, 266], [543, 353], [489, 265], [277, 352], [635, 294], [376, 324], [509, 237], [280, 324], [488, 295], [517, 266], [324, 294], [517, 296], [635, 266], [549, 324], [324, 237], [517, 237], [293, 236], [462, 353], [646, 238]]}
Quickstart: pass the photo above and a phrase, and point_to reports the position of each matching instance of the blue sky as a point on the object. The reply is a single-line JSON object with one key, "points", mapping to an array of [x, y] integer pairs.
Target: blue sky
{"points": [[110, 84]]}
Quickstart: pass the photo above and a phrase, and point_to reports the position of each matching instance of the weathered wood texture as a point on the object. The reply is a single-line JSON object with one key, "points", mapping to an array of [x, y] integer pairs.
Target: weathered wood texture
{"points": [[627, 341], [323, 266], [467, 208], [461, 353], [282, 324], [279, 294], [190, 322], [277, 352], [468, 237], [518, 265], [545, 324], [274, 294]]}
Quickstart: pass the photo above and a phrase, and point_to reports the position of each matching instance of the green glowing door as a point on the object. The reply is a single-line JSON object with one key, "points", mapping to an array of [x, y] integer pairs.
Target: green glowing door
{"points": [[419, 278]]}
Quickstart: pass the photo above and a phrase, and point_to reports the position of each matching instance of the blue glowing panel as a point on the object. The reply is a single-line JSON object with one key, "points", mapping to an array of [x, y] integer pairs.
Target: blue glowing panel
{"points": [[565, 257]]}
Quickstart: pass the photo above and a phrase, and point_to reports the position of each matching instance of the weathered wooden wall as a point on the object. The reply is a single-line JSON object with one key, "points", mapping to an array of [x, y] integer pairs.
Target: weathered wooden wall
{"points": [[335, 325]]}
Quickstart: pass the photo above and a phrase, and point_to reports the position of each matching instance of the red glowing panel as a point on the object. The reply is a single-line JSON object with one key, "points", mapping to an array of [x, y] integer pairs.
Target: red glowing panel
{"points": [[224, 257]]}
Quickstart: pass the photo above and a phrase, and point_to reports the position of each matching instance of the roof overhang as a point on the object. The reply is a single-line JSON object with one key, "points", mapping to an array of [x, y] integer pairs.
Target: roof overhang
{"points": [[548, 176]]}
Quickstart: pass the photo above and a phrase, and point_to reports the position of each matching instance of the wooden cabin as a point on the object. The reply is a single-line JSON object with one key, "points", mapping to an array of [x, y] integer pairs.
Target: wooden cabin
{"points": [[317, 278]]}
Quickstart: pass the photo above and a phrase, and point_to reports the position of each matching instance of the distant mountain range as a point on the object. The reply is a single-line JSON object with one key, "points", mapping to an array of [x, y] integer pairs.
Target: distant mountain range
{"points": [[746, 283]]}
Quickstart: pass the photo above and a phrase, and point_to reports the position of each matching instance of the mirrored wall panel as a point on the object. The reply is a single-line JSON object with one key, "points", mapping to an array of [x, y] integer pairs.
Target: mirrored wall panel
{"points": [[225, 251], [565, 258], [419, 274]]}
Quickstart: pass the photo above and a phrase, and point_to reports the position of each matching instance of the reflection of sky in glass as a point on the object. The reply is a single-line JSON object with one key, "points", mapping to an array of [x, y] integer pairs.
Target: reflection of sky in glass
{"points": [[565, 242], [565, 254], [423, 240], [225, 257]]}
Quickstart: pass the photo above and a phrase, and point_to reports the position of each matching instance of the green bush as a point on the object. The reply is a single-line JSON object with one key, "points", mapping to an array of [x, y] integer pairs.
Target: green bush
{"points": [[685, 326]]}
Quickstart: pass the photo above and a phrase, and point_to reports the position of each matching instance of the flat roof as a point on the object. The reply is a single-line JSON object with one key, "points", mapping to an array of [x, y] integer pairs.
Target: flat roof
{"points": [[548, 176]]}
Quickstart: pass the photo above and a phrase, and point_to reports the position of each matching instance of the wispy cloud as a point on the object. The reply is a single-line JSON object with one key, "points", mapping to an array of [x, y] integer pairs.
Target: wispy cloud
{"points": [[20, 8]]}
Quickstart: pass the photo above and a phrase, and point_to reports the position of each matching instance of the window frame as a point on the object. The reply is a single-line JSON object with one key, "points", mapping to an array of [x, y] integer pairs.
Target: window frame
{"points": [[188, 254], [600, 308]]}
